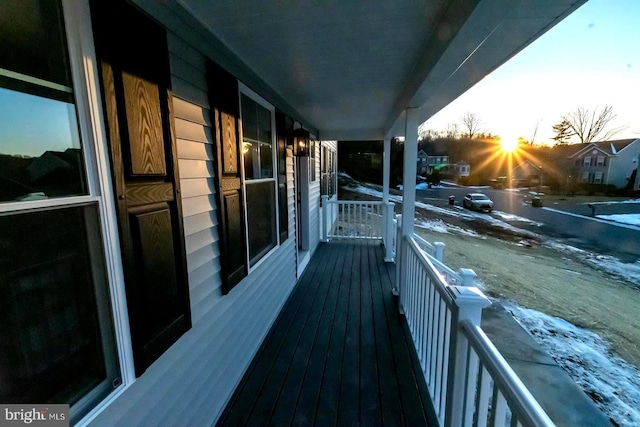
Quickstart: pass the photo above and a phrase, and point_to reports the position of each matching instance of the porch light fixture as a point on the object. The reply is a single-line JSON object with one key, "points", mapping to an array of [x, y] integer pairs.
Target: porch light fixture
{"points": [[300, 143]]}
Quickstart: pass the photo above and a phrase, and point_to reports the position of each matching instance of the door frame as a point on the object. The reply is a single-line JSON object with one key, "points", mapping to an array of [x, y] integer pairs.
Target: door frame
{"points": [[301, 172]]}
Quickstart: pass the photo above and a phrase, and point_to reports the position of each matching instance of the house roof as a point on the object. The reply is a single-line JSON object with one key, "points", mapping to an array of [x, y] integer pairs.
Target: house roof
{"points": [[349, 69]]}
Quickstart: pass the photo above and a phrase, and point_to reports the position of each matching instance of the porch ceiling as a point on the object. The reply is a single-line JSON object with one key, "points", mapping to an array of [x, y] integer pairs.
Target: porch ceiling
{"points": [[350, 68]]}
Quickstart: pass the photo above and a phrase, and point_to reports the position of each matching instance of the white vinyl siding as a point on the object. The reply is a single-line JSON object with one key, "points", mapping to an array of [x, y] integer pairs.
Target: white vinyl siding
{"points": [[192, 382]]}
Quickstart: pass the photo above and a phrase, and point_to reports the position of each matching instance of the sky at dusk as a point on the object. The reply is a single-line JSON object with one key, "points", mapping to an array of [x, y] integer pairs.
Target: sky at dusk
{"points": [[590, 59]]}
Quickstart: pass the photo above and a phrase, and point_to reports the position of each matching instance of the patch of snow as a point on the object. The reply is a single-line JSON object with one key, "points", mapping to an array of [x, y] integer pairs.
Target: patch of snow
{"points": [[612, 383], [631, 219], [440, 226], [631, 201], [344, 175], [627, 271], [515, 218]]}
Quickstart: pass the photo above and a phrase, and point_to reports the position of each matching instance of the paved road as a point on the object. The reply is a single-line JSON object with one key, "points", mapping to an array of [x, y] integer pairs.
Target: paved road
{"points": [[585, 232]]}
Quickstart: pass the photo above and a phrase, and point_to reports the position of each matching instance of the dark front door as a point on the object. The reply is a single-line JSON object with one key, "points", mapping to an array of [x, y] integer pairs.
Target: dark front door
{"points": [[133, 61]]}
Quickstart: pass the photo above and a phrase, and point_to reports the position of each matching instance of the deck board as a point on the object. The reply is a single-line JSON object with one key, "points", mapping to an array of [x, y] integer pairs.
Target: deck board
{"points": [[338, 354]]}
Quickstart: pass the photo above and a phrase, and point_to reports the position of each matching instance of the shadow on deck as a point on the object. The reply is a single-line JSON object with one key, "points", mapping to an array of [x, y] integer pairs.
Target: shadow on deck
{"points": [[339, 352]]}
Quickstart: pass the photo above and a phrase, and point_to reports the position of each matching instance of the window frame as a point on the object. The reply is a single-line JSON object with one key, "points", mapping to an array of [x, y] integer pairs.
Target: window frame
{"points": [[586, 161], [92, 134], [248, 92], [600, 161]]}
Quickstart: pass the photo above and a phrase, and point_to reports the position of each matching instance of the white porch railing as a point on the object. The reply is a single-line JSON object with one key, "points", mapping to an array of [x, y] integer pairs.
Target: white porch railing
{"points": [[354, 219], [470, 383]]}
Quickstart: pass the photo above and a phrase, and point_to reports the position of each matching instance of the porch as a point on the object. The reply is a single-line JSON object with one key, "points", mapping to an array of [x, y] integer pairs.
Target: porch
{"points": [[339, 353]]}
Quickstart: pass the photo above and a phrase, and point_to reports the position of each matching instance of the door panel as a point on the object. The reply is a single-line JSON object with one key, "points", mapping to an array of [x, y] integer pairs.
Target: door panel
{"points": [[144, 125]]}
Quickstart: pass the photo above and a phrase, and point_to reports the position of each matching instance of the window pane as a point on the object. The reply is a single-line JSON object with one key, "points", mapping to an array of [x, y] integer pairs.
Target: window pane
{"points": [[261, 219], [40, 154], [32, 43], [55, 324], [257, 143]]}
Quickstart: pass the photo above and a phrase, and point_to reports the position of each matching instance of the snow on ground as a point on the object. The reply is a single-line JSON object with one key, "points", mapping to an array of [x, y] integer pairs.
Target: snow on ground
{"points": [[631, 219], [612, 383], [440, 226], [609, 264]]}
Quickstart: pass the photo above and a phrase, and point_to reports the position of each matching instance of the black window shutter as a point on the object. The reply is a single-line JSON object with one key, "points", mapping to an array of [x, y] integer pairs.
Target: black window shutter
{"points": [[284, 125], [136, 91], [225, 108]]}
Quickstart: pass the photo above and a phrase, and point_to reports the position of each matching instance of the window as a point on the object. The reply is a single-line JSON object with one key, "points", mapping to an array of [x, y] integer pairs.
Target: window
{"points": [[55, 324], [597, 178], [258, 152], [600, 161], [328, 172], [585, 177], [586, 161]]}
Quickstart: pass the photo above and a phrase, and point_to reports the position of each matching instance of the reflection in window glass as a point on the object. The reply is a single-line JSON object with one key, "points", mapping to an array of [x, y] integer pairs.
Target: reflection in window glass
{"points": [[33, 49], [40, 154], [257, 141], [55, 323], [261, 219]]}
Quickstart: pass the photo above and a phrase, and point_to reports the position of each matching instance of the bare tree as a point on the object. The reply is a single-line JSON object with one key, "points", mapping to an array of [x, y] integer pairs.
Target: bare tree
{"points": [[532, 139], [588, 125], [471, 123], [452, 131]]}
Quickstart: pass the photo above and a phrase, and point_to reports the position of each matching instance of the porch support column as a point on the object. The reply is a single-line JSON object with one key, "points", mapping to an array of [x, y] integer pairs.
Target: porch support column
{"points": [[388, 231], [409, 171], [386, 169]]}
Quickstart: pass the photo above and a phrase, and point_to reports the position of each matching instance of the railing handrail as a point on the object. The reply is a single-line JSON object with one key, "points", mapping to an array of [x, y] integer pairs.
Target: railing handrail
{"points": [[441, 283], [440, 266], [518, 397], [355, 202]]}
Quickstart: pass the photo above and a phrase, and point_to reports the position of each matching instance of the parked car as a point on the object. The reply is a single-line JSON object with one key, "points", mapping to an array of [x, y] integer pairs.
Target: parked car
{"points": [[478, 202]]}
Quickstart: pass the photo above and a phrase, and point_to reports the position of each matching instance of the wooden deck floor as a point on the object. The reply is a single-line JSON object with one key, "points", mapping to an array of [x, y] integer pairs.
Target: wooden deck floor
{"points": [[338, 354]]}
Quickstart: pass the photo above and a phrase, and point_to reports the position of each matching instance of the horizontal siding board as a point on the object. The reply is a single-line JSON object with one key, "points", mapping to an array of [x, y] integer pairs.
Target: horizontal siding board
{"points": [[195, 168], [204, 255], [201, 239], [193, 131], [185, 90], [199, 276], [185, 71], [186, 52], [196, 187], [188, 111], [197, 205], [194, 150], [202, 221]]}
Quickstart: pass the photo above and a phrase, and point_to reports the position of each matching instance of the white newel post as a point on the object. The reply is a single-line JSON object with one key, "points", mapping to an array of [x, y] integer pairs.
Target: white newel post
{"points": [[325, 218], [469, 302], [468, 277], [438, 251], [388, 230]]}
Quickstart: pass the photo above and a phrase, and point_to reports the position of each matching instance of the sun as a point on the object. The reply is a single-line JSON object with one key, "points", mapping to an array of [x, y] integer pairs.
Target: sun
{"points": [[509, 145]]}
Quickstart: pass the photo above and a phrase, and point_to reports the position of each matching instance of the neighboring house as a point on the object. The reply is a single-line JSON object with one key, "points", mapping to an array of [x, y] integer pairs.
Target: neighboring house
{"points": [[140, 292], [422, 162], [603, 163], [527, 173], [438, 162], [462, 169]]}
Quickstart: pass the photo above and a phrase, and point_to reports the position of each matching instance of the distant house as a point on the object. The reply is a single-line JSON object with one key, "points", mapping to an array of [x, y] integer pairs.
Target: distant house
{"points": [[528, 173], [462, 168], [439, 163], [422, 167], [605, 162]]}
